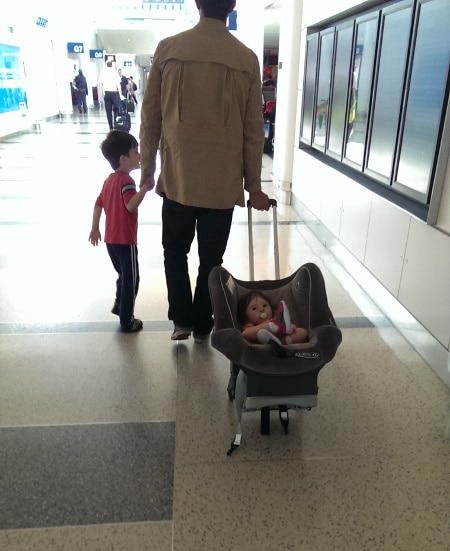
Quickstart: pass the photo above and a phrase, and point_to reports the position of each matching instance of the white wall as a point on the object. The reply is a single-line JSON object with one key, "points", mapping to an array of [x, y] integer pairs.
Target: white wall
{"points": [[443, 221], [47, 67]]}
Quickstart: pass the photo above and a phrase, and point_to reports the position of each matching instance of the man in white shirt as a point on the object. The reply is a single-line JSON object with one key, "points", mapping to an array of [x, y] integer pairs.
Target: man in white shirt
{"points": [[110, 90]]}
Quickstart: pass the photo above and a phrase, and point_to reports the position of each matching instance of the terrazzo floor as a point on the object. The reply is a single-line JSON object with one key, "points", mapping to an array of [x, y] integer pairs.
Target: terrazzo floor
{"points": [[110, 441]]}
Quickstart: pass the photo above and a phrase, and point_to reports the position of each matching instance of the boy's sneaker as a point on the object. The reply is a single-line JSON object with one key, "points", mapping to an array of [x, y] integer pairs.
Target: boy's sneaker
{"points": [[265, 336], [135, 325], [180, 333], [281, 322]]}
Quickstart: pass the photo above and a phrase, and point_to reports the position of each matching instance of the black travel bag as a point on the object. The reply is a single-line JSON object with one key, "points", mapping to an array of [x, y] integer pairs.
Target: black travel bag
{"points": [[122, 121], [130, 105]]}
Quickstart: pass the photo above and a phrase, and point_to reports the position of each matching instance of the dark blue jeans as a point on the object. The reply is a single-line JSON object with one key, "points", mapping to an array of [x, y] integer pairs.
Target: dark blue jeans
{"points": [[125, 261], [179, 225], [81, 101], [112, 101]]}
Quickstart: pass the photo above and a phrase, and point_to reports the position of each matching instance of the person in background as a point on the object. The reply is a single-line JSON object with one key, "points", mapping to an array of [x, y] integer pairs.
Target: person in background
{"points": [[80, 84], [269, 82], [124, 90], [120, 201], [202, 107], [109, 89], [132, 89]]}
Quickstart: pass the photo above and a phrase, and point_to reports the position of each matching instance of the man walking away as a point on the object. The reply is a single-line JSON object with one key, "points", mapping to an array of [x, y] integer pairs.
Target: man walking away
{"points": [[82, 91], [109, 89], [202, 107]]}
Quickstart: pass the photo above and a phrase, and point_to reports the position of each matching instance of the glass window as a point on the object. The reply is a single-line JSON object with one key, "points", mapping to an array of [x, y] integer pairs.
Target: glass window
{"points": [[361, 89], [425, 97], [309, 88], [323, 88], [340, 90], [389, 88]]}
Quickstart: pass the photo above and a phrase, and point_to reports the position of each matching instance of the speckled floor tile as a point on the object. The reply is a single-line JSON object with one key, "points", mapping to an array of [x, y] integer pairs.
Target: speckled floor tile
{"points": [[86, 474], [370, 504], [141, 536], [87, 378], [373, 400]]}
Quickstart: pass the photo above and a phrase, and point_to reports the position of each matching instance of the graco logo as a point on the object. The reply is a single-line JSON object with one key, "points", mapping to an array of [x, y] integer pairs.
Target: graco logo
{"points": [[308, 355]]}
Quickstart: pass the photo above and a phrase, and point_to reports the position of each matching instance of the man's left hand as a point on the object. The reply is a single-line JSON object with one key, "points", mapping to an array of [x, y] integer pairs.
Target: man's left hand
{"points": [[147, 181], [259, 200]]}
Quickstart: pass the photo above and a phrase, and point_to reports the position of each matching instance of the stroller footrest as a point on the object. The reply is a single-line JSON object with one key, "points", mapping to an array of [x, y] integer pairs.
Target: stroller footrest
{"points": [[253, 403]]}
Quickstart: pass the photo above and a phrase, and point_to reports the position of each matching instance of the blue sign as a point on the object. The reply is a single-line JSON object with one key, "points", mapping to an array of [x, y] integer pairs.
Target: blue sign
{"points": [[75, 47], [96, 54], [232, 21], [41, 22], [12, 94]]}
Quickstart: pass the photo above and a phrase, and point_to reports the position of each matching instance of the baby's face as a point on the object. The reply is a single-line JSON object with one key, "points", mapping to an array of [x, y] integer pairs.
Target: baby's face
{"points": [[258, 311]]}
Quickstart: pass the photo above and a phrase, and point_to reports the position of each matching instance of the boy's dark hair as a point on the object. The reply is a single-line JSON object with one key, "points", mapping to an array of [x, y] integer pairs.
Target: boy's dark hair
{"points": [[245, 300], [117, 143], [217, 9]]}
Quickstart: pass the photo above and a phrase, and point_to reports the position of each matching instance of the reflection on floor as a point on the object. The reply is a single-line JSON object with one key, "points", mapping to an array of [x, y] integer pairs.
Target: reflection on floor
{"points": [[111, 441]]}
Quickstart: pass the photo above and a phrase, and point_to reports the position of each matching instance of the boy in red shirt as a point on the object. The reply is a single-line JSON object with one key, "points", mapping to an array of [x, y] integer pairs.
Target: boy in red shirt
{"points": [[120, 201]]}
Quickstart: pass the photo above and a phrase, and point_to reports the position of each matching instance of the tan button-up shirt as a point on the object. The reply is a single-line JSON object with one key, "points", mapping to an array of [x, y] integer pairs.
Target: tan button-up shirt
{"points": [[202, 106]]}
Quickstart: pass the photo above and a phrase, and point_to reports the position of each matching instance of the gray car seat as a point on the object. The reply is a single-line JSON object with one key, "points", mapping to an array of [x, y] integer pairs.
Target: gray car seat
{"points": [[266, 377]]}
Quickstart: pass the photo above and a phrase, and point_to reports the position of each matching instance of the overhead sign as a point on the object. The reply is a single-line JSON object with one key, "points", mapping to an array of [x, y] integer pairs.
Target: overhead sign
{"points": [[96, 54], [163, 2], [41, 22], [157, 9], [232, 21], [75, 47]]}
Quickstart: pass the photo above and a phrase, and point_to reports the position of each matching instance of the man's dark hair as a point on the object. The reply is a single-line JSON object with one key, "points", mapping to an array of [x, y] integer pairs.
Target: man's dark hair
{"points": [[117, 143], [217, 9]]}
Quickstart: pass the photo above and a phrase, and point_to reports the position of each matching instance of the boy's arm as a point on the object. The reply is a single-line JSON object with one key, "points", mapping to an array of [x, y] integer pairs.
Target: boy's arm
{"points": [[137, 198], [95, 235]]}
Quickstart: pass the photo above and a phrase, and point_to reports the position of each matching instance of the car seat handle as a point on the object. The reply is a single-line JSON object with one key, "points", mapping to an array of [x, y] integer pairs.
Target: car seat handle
{"points": [[273, 203]]}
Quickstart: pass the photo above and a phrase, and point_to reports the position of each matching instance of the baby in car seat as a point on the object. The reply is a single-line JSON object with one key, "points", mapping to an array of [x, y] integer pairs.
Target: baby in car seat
{"points": [[262, 325]]}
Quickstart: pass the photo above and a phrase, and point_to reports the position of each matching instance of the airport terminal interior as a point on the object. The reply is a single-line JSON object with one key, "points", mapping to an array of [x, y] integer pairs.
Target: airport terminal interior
{"points": [[114, 441]]}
